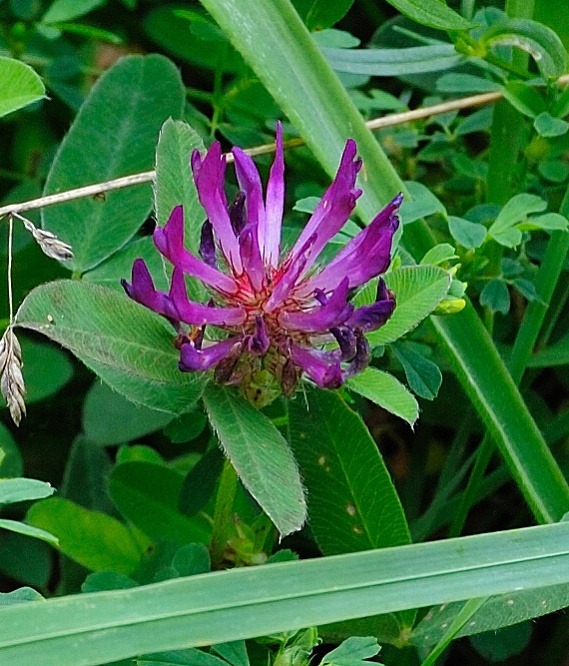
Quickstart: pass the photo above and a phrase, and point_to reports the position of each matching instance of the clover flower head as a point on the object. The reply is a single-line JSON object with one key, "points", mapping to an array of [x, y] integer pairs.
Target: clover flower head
{"points": [[282, 315]]}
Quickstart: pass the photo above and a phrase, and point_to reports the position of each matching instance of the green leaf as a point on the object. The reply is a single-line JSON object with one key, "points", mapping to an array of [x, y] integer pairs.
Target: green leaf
{"points": [[19, 85], [468, 234], [387, 392], [46, 369], [466, 84], [393, 62], [93, 539], [423, 376], [515, 211], [548, 222], [548, 126], [147, 495], [67, 10], [28, 530], [109, 419], [439, 254], [124, 343], [131, 101], [107, 580], [200, 610], [536, 39], [524, 98], [353, 651], [418, 290], [174, 184], [502, 644], [261, 456], [21, 490], [432, 13], [326, 13], [496, 297], [11, 463], [555, 171], [352, 502], [422, 202], [21, 595]]}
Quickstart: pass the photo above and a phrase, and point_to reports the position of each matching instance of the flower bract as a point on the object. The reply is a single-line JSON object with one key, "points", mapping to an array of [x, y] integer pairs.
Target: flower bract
{"points": [[281, 313]]}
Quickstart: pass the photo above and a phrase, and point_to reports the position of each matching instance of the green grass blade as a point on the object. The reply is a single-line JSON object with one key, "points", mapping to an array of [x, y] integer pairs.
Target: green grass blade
{"points": [[91, 629]]}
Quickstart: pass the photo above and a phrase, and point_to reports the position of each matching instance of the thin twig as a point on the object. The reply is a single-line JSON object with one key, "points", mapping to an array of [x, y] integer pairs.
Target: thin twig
{"points": [[148, 176]]}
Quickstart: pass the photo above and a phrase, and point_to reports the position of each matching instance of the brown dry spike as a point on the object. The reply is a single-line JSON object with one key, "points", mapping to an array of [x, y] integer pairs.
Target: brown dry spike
{"points": [[12, 384], [49, 243]]}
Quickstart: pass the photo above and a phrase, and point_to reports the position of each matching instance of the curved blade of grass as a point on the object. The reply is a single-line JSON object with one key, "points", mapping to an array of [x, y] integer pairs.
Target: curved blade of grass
{"points": [[100, 627], [279, 48]]}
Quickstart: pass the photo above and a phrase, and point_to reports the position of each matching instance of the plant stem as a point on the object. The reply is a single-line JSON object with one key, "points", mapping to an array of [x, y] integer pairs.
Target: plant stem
{"points": [[223, 513]]}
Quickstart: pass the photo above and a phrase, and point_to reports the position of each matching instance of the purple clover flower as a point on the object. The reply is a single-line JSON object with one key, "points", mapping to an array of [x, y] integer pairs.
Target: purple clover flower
{"points": [[281, 317]]}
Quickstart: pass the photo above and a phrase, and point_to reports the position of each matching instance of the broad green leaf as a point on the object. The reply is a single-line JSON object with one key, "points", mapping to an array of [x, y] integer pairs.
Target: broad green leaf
{"points": [[252, 601], [46, 369], [352, 502], [93, 539], [515, 211], [466, 84], [21, 490], [109, 419], [387, 392], [325, 13], [555, 171], [147, 495], [439, 254], [174, 184], [423, 376], [21, 595], [496, 612], [432, 13], [131, 101], [234, 652], [282, 54], [548, 126], [504, 643], [353, 651], [19, 85], [393, 62], [418, 290], [28, 530], [261, 456], [524, 98], [422, 202], [11, 464], [125, 344], [67, 10], [119, 266], [548, 222], [107, 580], [468, 234], [190, 657], [538, 40], [495, 296]]}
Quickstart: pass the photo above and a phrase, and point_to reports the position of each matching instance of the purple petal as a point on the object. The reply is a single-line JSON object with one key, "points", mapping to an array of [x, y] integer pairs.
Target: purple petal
{"points": [[364, 257], [250, 184], [361, 359], [335, 207], [274, 204], [369, 317], [259, 342], [207, 245], [200, 360], [289, 274], [142, 291], [333, 313], [346, 340], [209, 176], [198, 314], [170, 242], [323, 372], [251, 256]]}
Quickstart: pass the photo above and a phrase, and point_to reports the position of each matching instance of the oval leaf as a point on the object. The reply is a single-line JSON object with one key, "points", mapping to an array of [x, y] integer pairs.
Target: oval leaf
{"points": [[432, 13], [352, 502], [131, 101], [19, 85], [418, 290], [261, 456], [387, 392], [125, 344], [95, 540], [20, 490]]}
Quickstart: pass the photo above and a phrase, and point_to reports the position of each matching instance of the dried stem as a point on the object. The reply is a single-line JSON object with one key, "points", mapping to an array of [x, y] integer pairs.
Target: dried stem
{"points": [[148, 176]]}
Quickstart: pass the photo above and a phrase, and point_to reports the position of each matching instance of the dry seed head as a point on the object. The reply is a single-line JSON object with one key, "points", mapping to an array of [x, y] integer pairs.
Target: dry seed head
{"points": [[49, 243], [12, 384]]}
